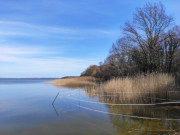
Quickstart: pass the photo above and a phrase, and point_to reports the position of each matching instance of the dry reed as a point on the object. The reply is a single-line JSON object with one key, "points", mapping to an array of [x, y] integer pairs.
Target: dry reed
{"points": [[136, 88], [75, 82], [139, 89]]}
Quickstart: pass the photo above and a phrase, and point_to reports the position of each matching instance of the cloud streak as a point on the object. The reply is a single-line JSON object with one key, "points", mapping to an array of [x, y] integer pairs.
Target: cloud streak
{"points": [[15, 28], [24, 63]]}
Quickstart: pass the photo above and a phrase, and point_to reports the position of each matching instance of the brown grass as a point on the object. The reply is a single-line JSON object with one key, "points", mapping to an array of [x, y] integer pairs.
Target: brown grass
{"points": [[149, 83], [129, 89], [75, 82], [139, 87]]}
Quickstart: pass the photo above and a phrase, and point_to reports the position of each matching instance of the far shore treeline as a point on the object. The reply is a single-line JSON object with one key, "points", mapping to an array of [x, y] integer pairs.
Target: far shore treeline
{"points": [[150, 43]]}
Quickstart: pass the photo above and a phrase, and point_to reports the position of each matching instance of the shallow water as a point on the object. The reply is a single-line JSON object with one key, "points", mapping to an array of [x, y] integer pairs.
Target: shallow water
{"points": [[26, 109]]}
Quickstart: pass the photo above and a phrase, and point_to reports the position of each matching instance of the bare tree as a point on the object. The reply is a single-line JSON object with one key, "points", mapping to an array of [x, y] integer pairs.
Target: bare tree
{"points": [[120, 60], [145, 29], [148, 46], [171, 43]]}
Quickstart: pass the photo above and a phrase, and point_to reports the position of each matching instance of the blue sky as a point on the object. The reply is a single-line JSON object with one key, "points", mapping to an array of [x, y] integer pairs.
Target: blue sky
{"points": [[55, 38]]}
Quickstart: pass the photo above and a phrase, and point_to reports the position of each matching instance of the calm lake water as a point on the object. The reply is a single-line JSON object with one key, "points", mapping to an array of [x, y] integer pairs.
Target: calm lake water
{"points": [[26, 109]]}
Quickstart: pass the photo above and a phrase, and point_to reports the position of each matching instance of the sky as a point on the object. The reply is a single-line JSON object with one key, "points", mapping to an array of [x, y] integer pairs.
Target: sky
{"points": [[56, 38]]}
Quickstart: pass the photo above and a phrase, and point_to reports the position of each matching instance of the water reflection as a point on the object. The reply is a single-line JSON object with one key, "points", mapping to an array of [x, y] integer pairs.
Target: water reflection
{"points": [[26, 109], [55, 110], [142, 127], [165, 119], [141, 110]]}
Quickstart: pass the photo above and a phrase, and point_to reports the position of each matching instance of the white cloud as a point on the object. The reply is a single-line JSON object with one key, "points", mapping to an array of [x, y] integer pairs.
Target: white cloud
{"points": [[7, 50], [14, 49], [24, 63], [14, 28]]}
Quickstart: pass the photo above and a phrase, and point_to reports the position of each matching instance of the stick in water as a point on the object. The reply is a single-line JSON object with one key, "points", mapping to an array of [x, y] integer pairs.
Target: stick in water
{"points": [[55, 98]]}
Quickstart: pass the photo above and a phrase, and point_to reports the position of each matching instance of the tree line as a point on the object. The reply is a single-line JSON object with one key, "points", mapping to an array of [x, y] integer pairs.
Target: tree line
{"points": [[150, 43]]}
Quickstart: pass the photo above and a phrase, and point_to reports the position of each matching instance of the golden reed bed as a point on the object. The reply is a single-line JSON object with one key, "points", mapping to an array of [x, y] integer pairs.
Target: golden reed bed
{"points": [[126, 89], [75, 82], [135, 89]]}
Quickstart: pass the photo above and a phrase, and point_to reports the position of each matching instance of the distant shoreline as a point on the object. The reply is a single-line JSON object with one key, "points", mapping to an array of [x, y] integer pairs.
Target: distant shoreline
{"points": [[41, 77], [30, 78]]}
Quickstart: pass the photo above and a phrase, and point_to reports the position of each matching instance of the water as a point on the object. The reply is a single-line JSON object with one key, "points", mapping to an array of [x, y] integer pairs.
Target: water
{"points": [[26, 109]]}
